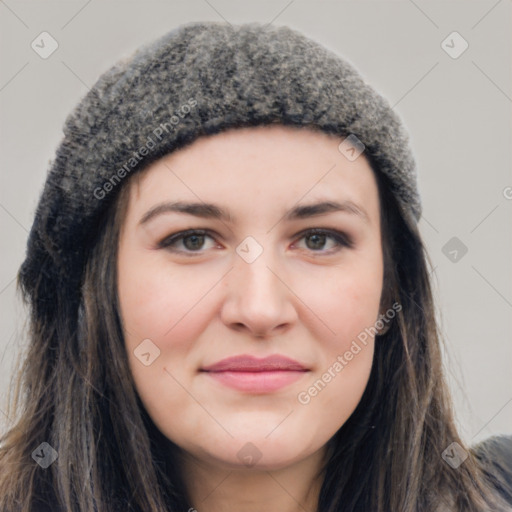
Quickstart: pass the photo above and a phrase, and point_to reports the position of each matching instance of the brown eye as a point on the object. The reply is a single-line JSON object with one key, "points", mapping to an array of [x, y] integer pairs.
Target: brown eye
{"points": [[316, 241], [191, 241], [321, 240]]}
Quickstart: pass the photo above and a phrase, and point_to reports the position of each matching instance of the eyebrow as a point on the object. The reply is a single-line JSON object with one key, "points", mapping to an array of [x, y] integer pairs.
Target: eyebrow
{"points": [[212, 211]]}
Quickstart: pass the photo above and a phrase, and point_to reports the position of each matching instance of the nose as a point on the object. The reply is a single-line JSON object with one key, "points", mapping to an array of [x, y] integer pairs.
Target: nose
{"points": [[258, 300]]}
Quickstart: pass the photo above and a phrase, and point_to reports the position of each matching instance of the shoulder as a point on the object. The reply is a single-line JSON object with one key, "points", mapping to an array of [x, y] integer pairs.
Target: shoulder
{"points": [[496, 451], [495, 457]]}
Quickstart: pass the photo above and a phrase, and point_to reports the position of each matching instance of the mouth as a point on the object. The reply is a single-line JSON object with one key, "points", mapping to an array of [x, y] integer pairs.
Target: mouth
{"points": [[252, 375], [257, 382]]}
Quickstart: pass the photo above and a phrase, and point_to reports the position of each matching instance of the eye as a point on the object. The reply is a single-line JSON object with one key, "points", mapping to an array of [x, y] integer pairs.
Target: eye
{"points": [[191, 241], [316, 240]]}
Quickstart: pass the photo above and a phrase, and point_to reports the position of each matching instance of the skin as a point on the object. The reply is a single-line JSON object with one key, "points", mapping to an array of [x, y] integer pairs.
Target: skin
{"points": [[304, 297]]}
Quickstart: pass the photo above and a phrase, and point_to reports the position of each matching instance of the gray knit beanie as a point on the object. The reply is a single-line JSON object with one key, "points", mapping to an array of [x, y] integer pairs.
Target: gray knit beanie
{"points": [[197, 80]]}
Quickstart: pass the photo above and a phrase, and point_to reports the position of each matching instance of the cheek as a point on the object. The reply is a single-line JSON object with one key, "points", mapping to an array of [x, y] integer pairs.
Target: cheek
{"points": [[158, 302], [171, 310], [168, 308], [350, 308], [347, 302], [347, 305], [353, 307]]}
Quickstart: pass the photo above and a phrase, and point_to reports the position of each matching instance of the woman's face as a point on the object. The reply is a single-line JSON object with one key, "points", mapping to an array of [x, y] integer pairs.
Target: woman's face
{"points": [[286, 262]]}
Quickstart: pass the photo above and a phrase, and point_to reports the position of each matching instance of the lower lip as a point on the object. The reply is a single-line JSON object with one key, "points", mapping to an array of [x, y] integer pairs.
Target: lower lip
{"points": [[257, 382]]}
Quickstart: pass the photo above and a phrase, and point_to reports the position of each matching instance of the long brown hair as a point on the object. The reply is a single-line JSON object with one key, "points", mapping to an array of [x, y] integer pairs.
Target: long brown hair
{"points": [[75, 392]]}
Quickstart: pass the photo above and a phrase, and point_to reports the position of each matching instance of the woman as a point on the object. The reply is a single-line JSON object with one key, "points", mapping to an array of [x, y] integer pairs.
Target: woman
{"points": [[230, 301]]}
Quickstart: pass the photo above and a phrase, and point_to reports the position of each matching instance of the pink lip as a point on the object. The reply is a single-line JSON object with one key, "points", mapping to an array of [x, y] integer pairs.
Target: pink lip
{"points": [[253, 375], [246, 363]]}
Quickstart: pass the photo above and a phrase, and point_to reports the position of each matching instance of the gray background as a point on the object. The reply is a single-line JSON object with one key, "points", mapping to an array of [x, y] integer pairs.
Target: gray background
{"points": [[458, 112]]}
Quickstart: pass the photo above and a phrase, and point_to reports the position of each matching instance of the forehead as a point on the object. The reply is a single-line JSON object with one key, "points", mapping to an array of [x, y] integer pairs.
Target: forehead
{"points": [[258, 169]]}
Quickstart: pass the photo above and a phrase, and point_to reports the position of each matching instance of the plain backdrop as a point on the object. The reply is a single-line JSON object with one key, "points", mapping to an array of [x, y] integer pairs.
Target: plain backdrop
{"points": [[457, 111]]}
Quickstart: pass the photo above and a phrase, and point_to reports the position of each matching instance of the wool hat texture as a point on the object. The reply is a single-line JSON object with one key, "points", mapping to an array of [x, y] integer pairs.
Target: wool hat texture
{"points": [[199, 79]]}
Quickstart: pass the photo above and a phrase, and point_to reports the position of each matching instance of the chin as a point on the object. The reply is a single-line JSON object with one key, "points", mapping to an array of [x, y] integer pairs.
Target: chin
{"points": [[266, 455]]}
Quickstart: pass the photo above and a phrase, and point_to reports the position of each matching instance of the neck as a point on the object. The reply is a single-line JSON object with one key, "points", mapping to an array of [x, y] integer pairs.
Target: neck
{"points": [[213, 488]]}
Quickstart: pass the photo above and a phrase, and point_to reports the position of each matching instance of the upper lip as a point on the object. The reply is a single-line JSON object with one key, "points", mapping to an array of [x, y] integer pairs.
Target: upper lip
{"points": [[246, 363]]}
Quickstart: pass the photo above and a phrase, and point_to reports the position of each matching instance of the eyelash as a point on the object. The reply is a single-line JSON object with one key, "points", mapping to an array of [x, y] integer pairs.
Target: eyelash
{"points": [[341, 239]]}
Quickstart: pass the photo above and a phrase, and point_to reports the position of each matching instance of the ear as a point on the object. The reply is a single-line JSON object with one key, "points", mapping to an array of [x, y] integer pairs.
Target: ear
{"points": [[383, 322]]}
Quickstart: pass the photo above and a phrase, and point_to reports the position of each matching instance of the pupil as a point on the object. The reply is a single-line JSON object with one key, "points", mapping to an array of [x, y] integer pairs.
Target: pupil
{"points": [[196, 241], [318, 241]]}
